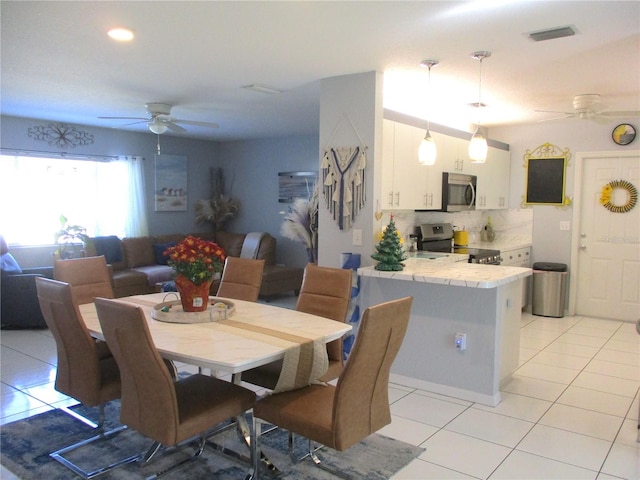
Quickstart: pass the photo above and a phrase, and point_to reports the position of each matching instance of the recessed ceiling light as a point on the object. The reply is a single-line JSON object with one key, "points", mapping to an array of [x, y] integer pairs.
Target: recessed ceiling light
{"points": [[121, 34], [262, 88]]}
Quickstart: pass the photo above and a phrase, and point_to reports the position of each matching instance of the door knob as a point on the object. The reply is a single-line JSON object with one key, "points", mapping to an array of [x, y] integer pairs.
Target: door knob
{"points": [[583, 235], [583, 247]]}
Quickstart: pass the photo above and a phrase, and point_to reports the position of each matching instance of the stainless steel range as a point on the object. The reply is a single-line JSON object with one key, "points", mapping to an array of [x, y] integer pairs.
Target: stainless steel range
{"points": [[438, 237]]}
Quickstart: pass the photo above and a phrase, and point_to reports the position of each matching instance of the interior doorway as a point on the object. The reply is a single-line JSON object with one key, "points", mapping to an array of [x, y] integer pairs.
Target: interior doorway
{"points": [[605, 259]]}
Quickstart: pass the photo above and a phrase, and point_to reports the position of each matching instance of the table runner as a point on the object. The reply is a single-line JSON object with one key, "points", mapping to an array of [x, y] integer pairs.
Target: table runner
{"points": [[303, 363]]}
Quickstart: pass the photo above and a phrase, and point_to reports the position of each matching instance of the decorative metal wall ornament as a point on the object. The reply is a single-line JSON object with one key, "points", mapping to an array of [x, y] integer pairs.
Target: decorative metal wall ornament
{"points": [[608, 191], [60, 135]]}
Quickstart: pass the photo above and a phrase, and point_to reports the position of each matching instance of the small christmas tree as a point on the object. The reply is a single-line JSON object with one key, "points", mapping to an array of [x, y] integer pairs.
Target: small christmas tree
{"points": [[389, 252]]}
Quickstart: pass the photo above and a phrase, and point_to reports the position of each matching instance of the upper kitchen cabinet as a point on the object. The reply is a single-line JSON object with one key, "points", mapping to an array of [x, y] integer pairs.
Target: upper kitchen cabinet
{"points": [[406, 184], [455, 156], [493, 180]]}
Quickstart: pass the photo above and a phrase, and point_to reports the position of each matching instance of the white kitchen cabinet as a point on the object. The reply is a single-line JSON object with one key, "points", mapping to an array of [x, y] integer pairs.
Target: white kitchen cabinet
{"points": [[456, 156], [493, 180], [519, 257], [406, 184]]}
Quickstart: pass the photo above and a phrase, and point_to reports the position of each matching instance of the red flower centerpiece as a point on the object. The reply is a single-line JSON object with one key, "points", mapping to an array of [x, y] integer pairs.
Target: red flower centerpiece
{"points": [[195, 261]]}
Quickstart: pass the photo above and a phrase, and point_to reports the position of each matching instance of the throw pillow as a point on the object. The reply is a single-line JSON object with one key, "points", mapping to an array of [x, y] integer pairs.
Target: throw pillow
{"points": [[8, 265], [110, 247], [158, 249]]}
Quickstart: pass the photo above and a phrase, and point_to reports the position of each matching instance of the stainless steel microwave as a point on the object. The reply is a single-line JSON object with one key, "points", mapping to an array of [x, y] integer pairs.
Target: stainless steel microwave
{"points": [[458, 192]]}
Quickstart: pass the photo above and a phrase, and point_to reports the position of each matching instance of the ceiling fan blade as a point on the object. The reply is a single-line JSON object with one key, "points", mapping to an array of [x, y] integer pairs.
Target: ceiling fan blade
{"points": [[570, 115], [176, 128], [197, 124], [123, 118], [622, 113], [143, 120], [554, 111]]}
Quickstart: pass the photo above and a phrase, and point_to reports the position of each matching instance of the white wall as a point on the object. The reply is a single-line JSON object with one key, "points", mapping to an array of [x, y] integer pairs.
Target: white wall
{"points": [[549, 243], [350, 112]]}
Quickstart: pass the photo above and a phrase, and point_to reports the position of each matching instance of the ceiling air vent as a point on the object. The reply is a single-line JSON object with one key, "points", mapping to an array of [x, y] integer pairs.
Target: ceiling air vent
{"points": [[552, 33]]}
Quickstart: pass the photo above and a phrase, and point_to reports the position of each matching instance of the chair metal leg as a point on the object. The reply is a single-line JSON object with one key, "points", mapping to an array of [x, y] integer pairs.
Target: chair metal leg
{"points": [[156, 447], [58, 455], [311, 453]]}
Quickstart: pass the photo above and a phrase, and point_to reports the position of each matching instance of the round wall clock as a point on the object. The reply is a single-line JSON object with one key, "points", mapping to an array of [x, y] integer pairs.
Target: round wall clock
{"points": [[624, 134]]}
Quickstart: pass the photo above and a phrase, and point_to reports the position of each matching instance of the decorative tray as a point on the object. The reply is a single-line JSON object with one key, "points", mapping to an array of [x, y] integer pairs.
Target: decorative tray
{"points": [[218, 309]]}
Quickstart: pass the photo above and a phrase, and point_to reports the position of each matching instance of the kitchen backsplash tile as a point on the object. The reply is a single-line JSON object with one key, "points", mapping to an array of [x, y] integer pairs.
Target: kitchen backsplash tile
{"points": [[509, 225]]}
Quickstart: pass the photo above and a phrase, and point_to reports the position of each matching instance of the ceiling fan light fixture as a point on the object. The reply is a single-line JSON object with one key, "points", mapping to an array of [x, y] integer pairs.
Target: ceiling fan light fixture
{"points": [[158, 127]]}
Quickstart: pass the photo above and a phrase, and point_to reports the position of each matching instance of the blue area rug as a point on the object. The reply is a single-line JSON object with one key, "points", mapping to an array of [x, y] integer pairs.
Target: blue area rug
{"points": [[26, 444]]}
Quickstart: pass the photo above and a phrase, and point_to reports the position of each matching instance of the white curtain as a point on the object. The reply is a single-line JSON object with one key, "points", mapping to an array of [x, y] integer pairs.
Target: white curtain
{"points": [[136, 223]]}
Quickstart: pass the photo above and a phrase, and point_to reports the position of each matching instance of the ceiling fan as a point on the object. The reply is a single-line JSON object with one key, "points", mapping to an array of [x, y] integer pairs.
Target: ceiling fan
{"points": [[160, 119], [587, 107]]}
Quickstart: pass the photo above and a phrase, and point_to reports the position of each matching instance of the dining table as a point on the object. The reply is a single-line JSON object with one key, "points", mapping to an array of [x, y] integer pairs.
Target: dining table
{"points": [[254, 334], [248, 335]]}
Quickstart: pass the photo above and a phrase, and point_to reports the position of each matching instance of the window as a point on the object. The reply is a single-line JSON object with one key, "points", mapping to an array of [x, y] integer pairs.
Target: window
{"points": [[98, 195]]}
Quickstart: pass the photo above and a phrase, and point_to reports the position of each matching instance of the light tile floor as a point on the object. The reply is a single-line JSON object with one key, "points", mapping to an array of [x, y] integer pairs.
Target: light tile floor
{"points": [[570, 410]]}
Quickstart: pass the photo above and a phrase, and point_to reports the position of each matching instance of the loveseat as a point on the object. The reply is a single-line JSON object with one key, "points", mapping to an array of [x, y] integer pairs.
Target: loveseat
{"points": [[19, 306], [138, 265]]}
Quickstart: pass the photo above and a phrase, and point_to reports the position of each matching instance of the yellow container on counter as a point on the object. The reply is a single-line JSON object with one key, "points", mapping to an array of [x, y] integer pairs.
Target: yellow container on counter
{"points": [[461, 237]]}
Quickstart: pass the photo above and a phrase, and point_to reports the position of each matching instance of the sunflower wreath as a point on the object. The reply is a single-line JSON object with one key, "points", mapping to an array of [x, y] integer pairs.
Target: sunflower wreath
{"points": [[607, 193]]}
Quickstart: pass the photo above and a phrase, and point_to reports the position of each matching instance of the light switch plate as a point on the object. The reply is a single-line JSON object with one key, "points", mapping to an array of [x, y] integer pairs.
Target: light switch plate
{"points": [[357, 237]]}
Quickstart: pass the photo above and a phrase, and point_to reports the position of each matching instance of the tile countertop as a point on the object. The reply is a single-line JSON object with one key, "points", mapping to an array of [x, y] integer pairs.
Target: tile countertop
{"points": [[460, 274]]}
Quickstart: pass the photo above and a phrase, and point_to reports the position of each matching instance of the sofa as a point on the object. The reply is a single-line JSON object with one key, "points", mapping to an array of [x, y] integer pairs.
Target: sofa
{"points": [[19, 305], [138, 266]]}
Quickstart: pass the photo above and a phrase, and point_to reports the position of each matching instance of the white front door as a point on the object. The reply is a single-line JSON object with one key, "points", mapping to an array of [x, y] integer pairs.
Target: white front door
{"points": [[607, 255]]}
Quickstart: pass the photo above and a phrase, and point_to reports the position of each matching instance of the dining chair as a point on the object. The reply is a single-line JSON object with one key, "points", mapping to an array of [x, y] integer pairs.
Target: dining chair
{"points": [[171, 413], [241, 279], [358, 405], [325, 292], [86, 370], [89, 277]]}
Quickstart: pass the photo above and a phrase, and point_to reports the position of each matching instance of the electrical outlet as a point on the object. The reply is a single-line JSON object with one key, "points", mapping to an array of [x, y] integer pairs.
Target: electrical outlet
{"points": [[357, 237], [565, 226], [461, 341]]}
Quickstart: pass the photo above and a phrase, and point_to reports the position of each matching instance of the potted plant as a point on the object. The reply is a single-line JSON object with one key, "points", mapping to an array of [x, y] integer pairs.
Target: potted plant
{"points": [[67, 237], [195, 262]]}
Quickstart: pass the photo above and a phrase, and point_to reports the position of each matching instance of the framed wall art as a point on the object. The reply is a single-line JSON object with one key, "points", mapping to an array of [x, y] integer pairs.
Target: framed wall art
{"points": [[292, 185], [171, 183]]}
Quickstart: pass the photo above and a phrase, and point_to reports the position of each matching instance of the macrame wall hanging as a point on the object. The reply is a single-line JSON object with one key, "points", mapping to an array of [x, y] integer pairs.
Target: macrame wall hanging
{"points": [[343, 179]]}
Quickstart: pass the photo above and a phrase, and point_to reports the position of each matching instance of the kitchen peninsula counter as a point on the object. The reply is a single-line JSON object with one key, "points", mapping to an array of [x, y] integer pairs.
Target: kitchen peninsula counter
{"points": [[484, 302], [462, 274]]}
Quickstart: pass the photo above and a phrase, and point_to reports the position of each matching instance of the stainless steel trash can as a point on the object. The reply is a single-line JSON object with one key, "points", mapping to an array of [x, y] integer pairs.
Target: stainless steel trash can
{"points": [[549, 289]]}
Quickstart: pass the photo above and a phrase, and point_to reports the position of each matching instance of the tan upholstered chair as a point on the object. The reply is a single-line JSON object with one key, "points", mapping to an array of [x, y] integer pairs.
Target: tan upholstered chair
{"points": [[86, 370], [325, 292], [168, 412], [241, 279], [89, 278], [358, 405]]}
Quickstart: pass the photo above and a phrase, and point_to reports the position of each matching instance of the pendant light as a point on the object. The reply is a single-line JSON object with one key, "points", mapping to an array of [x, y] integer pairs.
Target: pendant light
{"points": [[478, 144], [427, 150]]}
